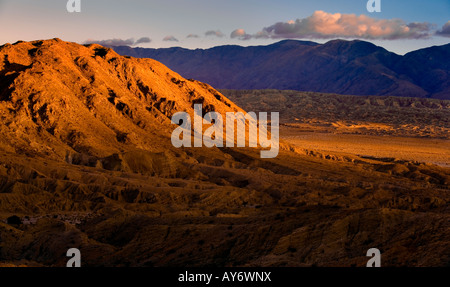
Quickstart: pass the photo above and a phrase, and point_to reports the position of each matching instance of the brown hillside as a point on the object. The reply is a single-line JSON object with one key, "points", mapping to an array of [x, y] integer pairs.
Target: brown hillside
{"points": [[65, 100], [86, 162]]}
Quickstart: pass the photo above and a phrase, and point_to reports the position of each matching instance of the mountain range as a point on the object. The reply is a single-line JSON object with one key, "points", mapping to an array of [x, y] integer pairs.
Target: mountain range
{"points": [[338, 66]]}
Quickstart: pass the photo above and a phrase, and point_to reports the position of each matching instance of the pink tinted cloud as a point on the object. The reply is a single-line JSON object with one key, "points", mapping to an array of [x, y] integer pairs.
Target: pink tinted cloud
{"points": [[216, 33], [240, 34], [170, 39], [327, 25]]}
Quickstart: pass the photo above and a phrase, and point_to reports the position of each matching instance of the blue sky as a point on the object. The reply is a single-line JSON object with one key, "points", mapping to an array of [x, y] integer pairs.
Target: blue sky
{"points": [[260, 22]]}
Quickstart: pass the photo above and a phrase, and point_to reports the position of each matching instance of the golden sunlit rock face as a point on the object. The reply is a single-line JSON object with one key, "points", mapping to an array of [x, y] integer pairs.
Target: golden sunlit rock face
{"points": [[89, 100], [86, 161]]}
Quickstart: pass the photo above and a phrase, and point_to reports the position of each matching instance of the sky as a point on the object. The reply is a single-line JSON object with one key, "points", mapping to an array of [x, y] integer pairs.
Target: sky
{"points": [[400, 27]]}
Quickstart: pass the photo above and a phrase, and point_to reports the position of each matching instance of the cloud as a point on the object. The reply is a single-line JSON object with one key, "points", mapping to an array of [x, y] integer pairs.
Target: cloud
{"points": [[170, 39], [119, 42], [192, 36], [445, 31], [143, 40], [261, 35], [240, 34], [112, 42], [323, 25], [214, 33]]}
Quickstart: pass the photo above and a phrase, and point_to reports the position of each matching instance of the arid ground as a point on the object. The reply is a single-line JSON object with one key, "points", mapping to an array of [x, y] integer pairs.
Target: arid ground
{"points": [[416, 130], [86, 162]]}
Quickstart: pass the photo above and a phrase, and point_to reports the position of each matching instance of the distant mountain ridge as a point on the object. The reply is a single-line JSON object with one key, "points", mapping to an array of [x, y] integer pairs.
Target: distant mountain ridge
{"points": [[338, 66]]}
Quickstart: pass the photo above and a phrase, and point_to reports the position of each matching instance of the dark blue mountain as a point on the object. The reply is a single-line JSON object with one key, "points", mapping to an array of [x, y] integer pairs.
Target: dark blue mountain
{"points": [[343, 67]]}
